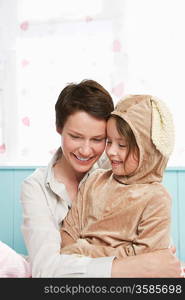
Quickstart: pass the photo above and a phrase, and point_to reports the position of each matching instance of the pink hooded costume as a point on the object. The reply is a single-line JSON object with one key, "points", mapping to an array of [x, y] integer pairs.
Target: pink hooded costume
{"points": [[126, 215]]}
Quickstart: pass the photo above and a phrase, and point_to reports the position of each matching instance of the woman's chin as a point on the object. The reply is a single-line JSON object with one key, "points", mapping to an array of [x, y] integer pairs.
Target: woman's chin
{"points": [[83, 166]]}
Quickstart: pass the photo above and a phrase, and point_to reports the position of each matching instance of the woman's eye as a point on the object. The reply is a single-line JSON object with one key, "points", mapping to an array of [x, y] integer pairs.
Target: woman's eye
{"points": [[99, 140], [122, 146], [74, 136]]}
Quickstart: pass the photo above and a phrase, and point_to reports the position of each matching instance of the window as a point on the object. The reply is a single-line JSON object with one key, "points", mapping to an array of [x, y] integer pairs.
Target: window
{"points": [[56, 42]]}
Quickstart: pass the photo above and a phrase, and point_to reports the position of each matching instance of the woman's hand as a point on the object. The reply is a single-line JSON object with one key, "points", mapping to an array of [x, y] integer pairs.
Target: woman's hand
{"points": [[157, 264]]}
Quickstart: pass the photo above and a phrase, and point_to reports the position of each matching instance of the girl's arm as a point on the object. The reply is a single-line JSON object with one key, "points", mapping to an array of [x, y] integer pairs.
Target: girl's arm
{"points": [[153, 230]]}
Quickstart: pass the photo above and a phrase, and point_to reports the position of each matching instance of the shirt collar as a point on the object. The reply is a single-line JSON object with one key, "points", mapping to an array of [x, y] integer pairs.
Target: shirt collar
{"points": [[49, 173]]}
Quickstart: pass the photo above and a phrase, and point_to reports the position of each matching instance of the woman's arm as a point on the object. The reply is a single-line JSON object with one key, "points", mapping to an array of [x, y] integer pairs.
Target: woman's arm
{"points": [[43, 240], [157, 264]]}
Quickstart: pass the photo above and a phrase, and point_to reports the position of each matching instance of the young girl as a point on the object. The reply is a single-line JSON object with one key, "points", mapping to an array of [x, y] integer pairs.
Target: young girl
{"points": [[126, 211]]}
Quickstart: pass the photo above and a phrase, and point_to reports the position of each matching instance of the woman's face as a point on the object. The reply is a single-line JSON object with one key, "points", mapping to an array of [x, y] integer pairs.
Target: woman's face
{"points": [[83, 139], [117, 149]]}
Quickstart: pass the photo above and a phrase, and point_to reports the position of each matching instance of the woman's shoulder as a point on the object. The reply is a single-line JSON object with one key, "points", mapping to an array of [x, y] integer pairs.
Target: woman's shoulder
{"points": [[38, 176], [35, 184]]}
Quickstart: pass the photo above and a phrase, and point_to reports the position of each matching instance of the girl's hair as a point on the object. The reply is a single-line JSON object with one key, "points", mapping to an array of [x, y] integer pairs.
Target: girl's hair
{"points": [[88, 96], [125, 130]]}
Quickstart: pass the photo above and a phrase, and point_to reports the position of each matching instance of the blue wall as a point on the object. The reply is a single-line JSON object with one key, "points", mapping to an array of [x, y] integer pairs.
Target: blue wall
{"points": [[10, 208], [11, 214]]}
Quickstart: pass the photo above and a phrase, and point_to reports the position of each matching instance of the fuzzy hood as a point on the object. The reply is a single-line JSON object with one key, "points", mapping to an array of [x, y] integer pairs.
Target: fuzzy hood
{"points": [[152, 125]]}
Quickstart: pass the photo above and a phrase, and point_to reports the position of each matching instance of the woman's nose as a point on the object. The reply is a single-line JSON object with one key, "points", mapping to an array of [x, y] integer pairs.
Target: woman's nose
{"points": [[85, 150]]}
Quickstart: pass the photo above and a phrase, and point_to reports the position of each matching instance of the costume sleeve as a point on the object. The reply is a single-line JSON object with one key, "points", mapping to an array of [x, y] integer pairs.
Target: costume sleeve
{"points": [[43, 240], [153, 231]]}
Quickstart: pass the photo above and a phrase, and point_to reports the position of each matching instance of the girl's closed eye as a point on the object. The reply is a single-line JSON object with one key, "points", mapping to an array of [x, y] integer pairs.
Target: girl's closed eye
{"points": [[122, 146]]}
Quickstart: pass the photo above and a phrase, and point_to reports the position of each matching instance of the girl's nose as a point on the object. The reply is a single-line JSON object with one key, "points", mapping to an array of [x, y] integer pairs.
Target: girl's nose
{"points": [[111, 150]]}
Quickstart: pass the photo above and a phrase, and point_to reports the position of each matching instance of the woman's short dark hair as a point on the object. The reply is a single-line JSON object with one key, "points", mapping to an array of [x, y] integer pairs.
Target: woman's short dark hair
{"points": [[88, 96]]}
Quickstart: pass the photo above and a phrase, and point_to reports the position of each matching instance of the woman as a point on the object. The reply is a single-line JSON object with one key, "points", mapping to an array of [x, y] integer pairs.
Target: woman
{"points": [[81, 113]]}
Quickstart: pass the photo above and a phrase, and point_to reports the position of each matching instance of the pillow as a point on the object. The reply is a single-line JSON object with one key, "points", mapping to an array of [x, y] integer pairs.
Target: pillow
{"points": [[13, 264]]}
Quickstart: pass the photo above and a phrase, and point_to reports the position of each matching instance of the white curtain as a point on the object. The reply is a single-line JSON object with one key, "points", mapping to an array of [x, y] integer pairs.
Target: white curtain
{"points": [[128, 46], [8, 99]]}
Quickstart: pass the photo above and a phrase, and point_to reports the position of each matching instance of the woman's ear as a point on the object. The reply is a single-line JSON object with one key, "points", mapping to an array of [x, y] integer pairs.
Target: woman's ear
{"points": [[59, 130]]}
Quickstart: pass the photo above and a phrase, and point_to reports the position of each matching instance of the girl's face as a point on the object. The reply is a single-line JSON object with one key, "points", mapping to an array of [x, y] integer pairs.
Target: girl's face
{"points": [[117, 149], [83, 139]]}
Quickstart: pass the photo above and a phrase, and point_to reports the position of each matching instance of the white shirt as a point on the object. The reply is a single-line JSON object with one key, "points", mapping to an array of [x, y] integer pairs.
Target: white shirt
{"points": [[45, 204]]}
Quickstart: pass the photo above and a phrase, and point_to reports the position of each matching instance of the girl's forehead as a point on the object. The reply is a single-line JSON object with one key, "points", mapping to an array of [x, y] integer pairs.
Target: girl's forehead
{"points": [[112, 131]]}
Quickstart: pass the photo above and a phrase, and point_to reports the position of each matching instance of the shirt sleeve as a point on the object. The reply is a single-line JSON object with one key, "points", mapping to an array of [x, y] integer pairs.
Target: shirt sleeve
{"points": [[43, 240]]}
